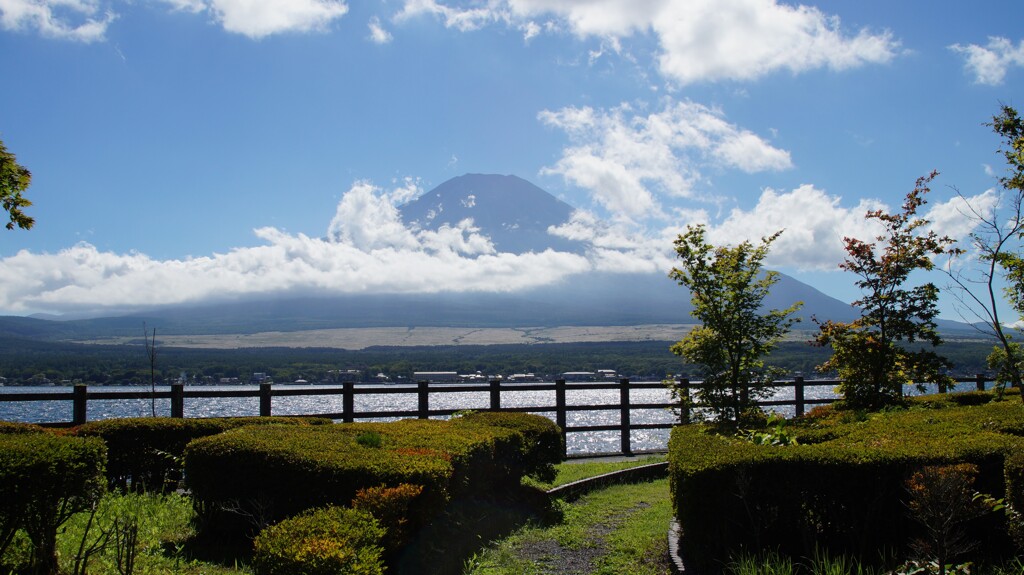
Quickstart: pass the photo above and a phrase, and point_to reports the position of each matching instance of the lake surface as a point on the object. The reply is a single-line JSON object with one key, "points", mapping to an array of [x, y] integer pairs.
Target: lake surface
{"points": [[578, 443]]}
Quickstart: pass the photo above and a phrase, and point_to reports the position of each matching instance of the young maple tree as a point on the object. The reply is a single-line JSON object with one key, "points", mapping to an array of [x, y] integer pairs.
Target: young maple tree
{"points": [[875, 354], [727, 289]]}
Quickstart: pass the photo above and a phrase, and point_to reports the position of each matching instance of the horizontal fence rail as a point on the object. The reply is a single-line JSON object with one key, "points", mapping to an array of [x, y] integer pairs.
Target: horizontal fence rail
{"points": [[81, 395]]}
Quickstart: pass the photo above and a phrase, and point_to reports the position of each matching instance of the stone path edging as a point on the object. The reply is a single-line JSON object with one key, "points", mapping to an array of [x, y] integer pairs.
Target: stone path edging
{"points": [[576, 489]]}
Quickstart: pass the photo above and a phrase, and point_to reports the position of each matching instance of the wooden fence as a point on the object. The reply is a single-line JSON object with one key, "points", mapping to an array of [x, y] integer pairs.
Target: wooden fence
{"points": [[81, 395]]}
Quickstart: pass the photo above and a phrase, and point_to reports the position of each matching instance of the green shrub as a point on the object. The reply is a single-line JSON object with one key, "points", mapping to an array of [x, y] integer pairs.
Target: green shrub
{"points": [[44, 480], [328, 541], [258, 475], [843, 490], [391, 507], [542, 446], [145, 452]]}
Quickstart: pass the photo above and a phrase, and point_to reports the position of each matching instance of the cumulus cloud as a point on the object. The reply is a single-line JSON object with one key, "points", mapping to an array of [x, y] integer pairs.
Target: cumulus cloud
{"points": [[260, 18], [378, 35], [813, 221], [700, 40], [366, 250], [79, 20], [88, 20], [627, 160], [989, 64]]}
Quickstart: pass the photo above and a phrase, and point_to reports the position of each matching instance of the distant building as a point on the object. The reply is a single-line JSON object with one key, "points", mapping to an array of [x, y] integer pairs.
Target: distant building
{"points": [[579, 376], [260, 377], [607, 374], [436, 376], [521, 377]]}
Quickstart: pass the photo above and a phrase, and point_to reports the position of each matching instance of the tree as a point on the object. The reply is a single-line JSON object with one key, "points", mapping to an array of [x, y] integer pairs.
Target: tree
{"points": [[151, 356], [14, 179], [727, 288], [993, 241], [874, 354]]}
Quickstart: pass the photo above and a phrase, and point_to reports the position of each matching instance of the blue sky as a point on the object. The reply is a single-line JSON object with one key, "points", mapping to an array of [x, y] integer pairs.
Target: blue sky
{"points": [[188, 150]]}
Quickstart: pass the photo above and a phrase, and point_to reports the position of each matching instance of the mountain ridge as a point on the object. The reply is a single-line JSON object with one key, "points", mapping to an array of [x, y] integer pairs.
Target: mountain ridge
{"points": [[516, 215]]}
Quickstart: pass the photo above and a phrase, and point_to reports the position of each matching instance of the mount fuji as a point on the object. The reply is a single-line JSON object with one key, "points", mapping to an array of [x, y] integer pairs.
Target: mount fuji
{"points": [[516, 217]]}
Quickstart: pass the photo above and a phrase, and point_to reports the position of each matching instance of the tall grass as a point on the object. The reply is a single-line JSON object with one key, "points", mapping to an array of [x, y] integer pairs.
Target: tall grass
{"points": [[125, 534]]}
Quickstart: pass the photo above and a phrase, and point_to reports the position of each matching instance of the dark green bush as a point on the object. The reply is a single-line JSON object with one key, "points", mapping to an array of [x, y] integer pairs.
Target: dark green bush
{"points": [[328, 541], [542, 446], [44, 480], [145, 452], [260, 475], [844, 492]]}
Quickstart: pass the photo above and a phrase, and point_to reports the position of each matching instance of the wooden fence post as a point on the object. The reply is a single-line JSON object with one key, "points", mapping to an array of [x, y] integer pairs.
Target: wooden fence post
{"points": [[348, 402], [265, 400], [684, 400], [178, 400], [81, 400], [495, 395], [624, 414], [560, 419], [798, 395], [423, 391], [979, 381]]}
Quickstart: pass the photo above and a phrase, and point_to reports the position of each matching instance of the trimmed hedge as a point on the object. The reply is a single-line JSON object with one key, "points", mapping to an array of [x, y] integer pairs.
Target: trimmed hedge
{"points": [[842, 490], [542, 447], [44, 479], [145, 452], [326, 541], [268, 473]]}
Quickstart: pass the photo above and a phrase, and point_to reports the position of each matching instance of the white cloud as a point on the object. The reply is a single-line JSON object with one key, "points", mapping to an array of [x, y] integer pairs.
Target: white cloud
{"points": [[88, 20], [989, 64], [462, 19], [627, 160], [814, 222], [368, 250], [260, 18], [747, 39], [378, 35], [79, 20], [700, 40], [953, 217]]}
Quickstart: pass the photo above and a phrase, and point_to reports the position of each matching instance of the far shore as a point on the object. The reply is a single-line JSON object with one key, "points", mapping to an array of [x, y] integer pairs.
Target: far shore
{"points": [[362, 338]]}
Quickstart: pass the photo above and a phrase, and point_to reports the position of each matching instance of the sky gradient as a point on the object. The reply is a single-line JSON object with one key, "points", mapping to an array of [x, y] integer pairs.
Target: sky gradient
{"points": [[185, 151]]}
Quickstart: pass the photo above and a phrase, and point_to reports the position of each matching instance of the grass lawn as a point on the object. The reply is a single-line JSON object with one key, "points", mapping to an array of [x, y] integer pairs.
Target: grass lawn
{"points": [[619, 529]]}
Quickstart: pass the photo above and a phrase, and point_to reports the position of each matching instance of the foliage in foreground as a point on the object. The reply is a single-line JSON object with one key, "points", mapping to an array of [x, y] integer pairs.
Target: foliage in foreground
{"points": [[727, 288], [875, 354], [856, 484], [125, 534], [324, 541]]}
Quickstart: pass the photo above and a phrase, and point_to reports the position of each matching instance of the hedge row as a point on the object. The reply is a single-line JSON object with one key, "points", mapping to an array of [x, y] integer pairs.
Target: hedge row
{"points": [[842, 490], [145, 452], [44, 479], [269, 473]]}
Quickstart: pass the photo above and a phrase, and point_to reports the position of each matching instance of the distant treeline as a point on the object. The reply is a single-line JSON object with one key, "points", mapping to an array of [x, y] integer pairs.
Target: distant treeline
{"points": [[30, 362]]}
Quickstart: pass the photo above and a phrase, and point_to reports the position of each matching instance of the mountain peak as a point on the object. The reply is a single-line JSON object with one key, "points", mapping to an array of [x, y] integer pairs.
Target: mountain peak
{"points": [[513, 212]]}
